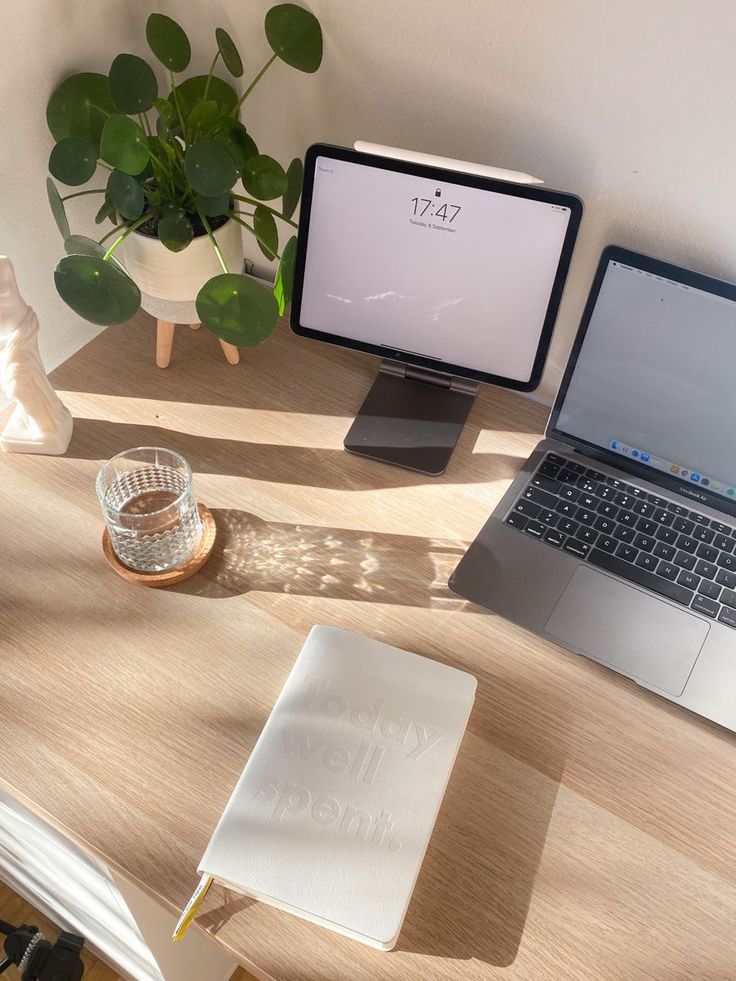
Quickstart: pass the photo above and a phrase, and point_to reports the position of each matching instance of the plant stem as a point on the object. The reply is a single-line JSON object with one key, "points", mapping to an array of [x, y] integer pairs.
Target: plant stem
{"points": [[255, 234], [212, 239], [145, 125], [121, 238], [101, 163], [79, 194], [111, 232], [260, 204], [253, 84], [176, 101], [209, 77], [99, 109]]}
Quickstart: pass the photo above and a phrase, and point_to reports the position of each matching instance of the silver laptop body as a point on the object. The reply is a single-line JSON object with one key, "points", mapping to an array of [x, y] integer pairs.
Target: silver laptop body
{"points": [[608, 542]]}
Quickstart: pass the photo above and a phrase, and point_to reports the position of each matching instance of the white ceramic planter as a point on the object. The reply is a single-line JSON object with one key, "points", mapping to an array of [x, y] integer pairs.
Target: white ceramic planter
{"points": [[179, 276]]}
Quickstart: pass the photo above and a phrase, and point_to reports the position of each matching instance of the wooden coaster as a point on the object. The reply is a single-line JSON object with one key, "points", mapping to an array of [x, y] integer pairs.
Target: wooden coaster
{"points": [[170, 576]]}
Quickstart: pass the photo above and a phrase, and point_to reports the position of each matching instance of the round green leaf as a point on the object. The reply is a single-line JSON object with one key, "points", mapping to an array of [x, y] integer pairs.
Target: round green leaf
{"points": [[264, 178], [214, 206], [133, 86], [124, 144], [162, 129], [175, 231], [234, 137], [190, 92], [81, 245], [96, 290], [229, 53], [168, 42], [107, 210], [57, 208], [126, 194], [73, 160], [164, 108], [203, 117], [79, 107], [283, 286], [295, 36], [294, 179], [237, 309], [154, 145], [267, 234], [209, 168]]}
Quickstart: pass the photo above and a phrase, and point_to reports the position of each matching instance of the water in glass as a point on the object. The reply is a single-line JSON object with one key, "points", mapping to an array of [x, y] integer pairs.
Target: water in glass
{"points": [[148, 500]]}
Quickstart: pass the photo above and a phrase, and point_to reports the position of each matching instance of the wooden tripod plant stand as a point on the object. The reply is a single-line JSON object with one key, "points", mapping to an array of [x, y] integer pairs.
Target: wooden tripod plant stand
{"points": [[165, 342]]}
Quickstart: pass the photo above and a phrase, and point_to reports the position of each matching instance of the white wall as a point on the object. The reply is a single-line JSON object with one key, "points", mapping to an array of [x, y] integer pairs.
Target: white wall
{"points": [[628, 104], [43, 42]]}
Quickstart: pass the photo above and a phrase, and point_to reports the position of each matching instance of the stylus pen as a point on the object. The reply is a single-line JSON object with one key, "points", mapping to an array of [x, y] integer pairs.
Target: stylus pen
{"points": [[447, 163]]}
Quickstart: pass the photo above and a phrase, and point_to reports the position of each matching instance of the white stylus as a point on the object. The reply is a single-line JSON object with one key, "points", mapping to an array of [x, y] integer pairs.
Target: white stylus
{"points": [[464, 166]]}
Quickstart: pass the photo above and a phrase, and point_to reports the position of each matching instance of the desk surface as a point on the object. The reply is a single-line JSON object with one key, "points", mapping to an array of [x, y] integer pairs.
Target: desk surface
{"points": [[589, 828]]}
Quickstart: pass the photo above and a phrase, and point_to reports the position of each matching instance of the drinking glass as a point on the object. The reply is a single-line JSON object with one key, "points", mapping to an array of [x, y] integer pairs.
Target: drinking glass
{"points": [[148, 502]]}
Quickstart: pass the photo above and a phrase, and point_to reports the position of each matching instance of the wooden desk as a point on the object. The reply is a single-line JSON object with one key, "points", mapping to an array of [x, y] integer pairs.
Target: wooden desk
{"points": [[589, 829]]}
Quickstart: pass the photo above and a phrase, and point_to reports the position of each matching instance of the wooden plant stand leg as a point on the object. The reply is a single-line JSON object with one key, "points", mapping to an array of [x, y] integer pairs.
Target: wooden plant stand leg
{"points": [[164, 342], [232, 353]]}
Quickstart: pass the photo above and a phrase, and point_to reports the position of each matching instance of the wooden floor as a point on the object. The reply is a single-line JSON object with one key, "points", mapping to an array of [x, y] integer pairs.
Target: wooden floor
{"points": [[15, 910]]}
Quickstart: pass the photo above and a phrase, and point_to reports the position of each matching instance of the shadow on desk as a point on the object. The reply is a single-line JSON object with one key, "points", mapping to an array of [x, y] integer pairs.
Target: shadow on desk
{"points": [[228, 902], [288, 374], [472, 896], [473, 893], [94, 439], [251, 554]]}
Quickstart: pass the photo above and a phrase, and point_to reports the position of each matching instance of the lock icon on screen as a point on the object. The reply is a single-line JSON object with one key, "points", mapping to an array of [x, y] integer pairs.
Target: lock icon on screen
{"points": [[438, 193]]}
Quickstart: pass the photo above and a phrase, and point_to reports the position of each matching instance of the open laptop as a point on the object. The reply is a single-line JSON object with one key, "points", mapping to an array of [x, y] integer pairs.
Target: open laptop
{"points": [[617, 539]]}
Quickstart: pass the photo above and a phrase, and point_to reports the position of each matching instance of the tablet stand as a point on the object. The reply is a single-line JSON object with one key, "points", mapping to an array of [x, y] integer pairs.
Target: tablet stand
{"points": [[412, 417]]}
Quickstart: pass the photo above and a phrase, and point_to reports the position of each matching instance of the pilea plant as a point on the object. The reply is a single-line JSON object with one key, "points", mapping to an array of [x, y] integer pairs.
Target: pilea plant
{"points": [[174, 164]]}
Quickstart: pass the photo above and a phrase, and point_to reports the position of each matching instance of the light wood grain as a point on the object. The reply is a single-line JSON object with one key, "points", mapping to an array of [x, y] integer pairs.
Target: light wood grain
{"points": [[589, 828]]}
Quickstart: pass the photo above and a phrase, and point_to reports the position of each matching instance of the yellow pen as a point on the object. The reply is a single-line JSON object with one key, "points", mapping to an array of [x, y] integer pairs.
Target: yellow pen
{"points": [[192, 907]]}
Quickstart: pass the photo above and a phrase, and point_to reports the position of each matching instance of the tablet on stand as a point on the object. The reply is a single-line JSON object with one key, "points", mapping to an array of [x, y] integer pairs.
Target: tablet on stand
{"points": [[449, 274]]}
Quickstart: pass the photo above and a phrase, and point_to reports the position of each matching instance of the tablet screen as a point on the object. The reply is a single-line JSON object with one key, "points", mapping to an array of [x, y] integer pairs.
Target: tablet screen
{"points": [[437, 269]]}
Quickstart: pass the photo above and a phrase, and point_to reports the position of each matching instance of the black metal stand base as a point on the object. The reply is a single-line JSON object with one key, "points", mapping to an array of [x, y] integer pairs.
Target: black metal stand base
{"points": [[412, 418]]}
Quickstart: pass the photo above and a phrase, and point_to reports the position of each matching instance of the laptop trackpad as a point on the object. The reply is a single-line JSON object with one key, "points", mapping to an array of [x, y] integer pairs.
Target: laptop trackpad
{"points": [[628, 630]]}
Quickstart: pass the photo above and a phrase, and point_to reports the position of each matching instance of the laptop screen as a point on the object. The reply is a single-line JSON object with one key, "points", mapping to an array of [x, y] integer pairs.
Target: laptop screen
{"points": [[654, 382]]}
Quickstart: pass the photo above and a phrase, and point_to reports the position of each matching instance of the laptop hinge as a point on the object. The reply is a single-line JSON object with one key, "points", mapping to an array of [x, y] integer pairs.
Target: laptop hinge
{"points": [[429, 377]]}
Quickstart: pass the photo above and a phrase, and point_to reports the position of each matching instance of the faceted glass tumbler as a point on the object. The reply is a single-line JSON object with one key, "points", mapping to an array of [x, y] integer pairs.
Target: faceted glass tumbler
{"points": [[148, 502]]}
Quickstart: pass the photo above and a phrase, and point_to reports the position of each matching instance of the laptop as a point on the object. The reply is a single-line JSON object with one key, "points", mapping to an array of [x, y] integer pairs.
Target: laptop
{"points": [[617, 539]]}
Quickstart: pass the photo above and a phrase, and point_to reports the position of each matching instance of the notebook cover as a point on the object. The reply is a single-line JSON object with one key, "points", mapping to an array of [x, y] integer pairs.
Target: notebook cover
{"points": [[333, 812]]}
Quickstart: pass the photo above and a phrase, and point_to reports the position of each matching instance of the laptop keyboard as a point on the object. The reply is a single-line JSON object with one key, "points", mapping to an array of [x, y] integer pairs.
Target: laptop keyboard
{"points": [[648, 540]]}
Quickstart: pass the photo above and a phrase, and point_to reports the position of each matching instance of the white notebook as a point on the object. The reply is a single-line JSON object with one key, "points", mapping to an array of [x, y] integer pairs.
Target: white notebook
{"points": [[333, 812]]}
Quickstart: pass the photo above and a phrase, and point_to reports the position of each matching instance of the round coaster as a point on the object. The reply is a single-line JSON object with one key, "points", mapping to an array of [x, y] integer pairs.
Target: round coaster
{"points": [[169, 576]]}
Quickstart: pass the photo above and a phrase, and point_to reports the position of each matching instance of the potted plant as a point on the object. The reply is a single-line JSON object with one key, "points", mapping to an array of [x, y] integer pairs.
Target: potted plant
{"points": [[172, 191]]}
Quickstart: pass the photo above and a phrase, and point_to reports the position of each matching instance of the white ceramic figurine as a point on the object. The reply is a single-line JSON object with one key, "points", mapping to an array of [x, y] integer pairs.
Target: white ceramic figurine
{"points": [[41, 423]]}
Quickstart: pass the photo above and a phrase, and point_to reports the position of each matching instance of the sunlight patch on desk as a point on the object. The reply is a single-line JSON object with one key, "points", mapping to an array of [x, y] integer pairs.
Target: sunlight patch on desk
{"points": [[256, 425], [255, 555], [488, 441]]}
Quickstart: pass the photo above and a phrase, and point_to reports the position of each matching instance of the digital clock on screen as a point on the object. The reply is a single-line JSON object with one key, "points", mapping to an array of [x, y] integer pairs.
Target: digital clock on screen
{"points": [[427, 208]]}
